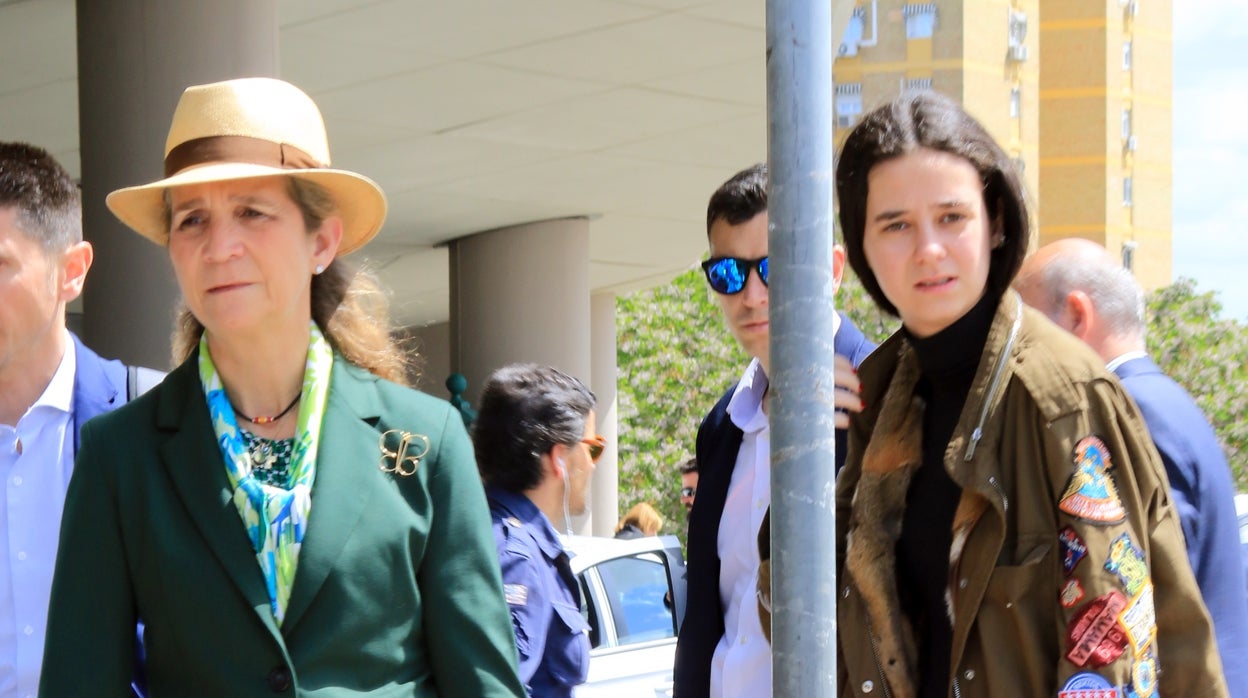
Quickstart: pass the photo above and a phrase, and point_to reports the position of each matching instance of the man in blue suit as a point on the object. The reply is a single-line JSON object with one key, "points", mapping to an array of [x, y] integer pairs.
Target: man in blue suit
{"points": [[50, 385], [722, 650], [1082, 288]]}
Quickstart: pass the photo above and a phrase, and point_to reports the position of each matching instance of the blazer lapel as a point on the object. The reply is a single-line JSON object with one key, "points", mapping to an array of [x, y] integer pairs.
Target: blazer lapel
{"points": [[340, 493], [194, 462]]}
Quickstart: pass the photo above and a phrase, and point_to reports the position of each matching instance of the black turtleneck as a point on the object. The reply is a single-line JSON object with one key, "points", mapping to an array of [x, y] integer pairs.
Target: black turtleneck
{"points": [[947, 363]]}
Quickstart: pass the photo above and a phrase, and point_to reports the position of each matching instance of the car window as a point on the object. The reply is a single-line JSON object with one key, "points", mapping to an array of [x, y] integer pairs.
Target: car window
{"points": [[590, 611], [638, 593]]}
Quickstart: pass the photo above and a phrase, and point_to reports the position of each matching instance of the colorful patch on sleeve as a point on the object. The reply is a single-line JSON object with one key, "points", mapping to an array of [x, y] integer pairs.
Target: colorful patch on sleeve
{"points": [[1091, 494], [1073, 549], [1127, 561], [1094, 638], [1072, 593], [1085, 684], [1143, 677], [516, 594], [1139, 620]]}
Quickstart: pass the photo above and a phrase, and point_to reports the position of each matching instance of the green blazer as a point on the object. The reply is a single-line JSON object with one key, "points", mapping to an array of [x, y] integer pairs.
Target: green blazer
{"points": [[397, 592]]}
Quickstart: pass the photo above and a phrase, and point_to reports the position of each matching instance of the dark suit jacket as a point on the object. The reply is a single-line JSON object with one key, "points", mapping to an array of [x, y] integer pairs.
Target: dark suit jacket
{"points": [[397, 592], [1204, 494], [717, 445]]}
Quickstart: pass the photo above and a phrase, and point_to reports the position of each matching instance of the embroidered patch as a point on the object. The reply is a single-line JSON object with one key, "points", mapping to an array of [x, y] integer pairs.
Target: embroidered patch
{"points": [[1143, 677], [1139, 620], [1127, 561], [1091, 494], [1072, 593], [1087, 685], [1094, 637], [1073, 549], [516, 594]]}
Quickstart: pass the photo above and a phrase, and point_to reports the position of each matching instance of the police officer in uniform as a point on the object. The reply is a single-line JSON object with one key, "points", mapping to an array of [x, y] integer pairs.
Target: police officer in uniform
{"points": [[536, 447]]}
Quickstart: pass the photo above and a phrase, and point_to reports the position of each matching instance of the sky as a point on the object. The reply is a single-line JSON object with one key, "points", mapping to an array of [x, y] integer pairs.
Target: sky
{"points": [[1211, 148]]}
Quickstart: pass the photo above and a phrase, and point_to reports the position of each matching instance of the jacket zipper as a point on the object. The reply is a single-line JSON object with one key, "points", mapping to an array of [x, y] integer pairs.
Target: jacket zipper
{"points": [[978, 433], [879, 668], [957, 688]]}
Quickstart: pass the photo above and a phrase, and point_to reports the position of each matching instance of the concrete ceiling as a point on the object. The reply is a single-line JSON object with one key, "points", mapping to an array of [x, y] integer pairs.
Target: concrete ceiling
{"points": [[478, 114]]}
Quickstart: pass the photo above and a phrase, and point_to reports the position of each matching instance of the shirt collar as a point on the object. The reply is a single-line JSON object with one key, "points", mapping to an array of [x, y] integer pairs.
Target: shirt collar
{"points": [[59, 394], [1121, 359], [520, 507], [745, 407]]}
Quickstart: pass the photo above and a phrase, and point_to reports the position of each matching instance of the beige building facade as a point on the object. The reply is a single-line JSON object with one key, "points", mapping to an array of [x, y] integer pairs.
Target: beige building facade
{"points": [[1077, 92]]}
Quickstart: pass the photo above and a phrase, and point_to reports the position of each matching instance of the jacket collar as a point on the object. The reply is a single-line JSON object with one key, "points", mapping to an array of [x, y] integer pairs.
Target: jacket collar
{"points": [[98, 385], [339, 497], [522, 508]]}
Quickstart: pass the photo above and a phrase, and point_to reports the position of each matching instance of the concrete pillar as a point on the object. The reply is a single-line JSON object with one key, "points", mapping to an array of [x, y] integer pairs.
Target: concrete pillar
{"points": [[134, 59], [521, 294], [606, 487]]}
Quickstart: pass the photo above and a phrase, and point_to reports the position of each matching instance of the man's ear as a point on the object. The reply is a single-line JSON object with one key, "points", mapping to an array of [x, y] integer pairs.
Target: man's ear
{"points": [[838, 266], [1080, 313], [554, 461], [72, 272]]}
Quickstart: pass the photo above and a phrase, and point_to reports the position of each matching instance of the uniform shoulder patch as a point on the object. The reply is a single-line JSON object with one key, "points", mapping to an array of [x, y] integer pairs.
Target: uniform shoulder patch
{"points": [[1085, 684], [1094, 638], [1091, 494], [1073, 549], [516, 594]]}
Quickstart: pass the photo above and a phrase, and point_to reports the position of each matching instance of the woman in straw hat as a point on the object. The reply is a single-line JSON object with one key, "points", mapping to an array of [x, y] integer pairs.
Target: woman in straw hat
{"points": [[278, 513]]}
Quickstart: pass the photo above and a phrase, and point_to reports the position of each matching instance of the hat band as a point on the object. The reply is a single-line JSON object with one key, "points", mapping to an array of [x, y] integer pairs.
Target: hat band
{"points": [[257, 151]]}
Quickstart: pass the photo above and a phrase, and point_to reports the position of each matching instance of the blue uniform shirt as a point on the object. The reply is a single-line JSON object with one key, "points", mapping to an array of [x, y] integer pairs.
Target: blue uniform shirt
{"points": [[542, 594]]}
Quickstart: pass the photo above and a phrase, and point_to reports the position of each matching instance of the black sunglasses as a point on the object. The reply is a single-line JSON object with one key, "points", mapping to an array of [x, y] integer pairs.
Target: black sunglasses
{"points": [[727, 275], [688, 491]]}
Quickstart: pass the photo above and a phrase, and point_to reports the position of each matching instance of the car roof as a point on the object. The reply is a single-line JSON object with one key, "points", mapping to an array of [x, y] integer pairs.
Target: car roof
{"points": [[588, 551]]}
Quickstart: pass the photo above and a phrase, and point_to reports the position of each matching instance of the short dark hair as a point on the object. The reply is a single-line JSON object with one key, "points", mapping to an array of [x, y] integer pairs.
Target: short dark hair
{"points": [[525, 410], [48, 203], [933, 121], [689, 466], [739, 199]]}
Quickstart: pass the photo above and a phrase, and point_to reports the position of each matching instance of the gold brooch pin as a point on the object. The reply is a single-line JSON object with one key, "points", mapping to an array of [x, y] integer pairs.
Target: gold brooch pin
{"points": [[403, 459]]}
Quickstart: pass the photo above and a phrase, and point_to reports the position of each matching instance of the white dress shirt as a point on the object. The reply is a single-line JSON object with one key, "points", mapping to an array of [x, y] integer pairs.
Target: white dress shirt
{"points": [[36, 459], [741, 665]]}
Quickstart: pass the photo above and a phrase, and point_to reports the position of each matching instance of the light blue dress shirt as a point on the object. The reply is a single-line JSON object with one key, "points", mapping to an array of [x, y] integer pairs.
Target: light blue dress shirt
{"points": [[36, 459]]}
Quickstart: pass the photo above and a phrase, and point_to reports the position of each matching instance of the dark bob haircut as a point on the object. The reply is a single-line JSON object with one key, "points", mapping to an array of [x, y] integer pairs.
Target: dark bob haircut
{"points": [[932, 121], [525, 410]]}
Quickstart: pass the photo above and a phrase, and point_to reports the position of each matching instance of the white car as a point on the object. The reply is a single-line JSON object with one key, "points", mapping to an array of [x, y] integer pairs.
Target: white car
{"points": [[633, 595]]}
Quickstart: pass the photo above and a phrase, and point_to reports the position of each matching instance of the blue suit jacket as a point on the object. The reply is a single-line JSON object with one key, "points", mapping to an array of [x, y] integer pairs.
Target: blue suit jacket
{"points": [[99, 386], [718, 442], [1204, 494]]}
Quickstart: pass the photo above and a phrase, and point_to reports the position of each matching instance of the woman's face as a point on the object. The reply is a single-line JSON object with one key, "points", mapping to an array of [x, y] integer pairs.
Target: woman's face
{"points": [[243, 256], [928, 238]]}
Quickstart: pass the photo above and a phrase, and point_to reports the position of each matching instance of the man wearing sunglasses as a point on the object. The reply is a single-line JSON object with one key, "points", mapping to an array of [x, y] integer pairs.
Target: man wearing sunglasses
{"points": [[722, 651], [688, 483], [536, 448]]}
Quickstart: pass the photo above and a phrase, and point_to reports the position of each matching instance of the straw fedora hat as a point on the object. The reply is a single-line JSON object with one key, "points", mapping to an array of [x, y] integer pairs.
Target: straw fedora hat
{"points": [[247, 128]]}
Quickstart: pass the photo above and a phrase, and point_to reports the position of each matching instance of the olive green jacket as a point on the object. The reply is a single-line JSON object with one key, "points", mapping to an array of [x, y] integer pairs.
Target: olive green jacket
{"points": [[1023, 623], [397, 591]]}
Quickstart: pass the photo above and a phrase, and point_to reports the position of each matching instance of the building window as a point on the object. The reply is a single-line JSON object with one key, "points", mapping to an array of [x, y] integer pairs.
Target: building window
{"points": [[1016, 102], [1128, 255], [1126, 191], [1017, 34], [1126, 55], [1126, 123], [848, 104], [917, 85], [853, 34], [920, 20]]}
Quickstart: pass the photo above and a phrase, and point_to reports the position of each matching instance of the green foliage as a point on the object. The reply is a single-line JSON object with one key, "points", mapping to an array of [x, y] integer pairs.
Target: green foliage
{"points": [[676, 358], [1208, 356]]}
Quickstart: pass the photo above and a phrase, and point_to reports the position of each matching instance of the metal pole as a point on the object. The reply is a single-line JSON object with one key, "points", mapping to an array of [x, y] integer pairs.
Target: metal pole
{"points": [[799, 141]]}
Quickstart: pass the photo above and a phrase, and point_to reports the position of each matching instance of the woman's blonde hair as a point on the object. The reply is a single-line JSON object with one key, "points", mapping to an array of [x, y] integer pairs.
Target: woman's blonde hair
{"points": [[644, 517], [348, 304]]}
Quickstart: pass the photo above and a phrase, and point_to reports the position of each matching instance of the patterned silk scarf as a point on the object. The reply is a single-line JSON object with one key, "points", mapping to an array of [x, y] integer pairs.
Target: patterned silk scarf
{"points": [[276, 519]]}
